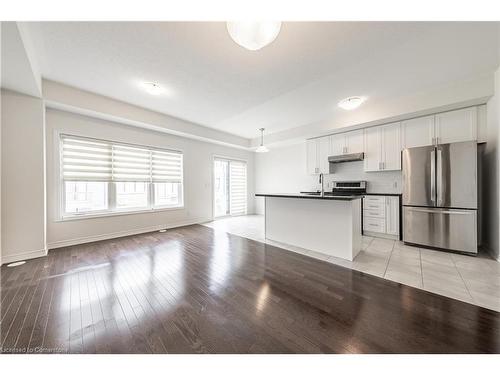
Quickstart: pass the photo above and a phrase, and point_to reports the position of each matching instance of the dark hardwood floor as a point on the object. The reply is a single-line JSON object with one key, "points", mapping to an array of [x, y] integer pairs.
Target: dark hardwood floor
{"points": [[192, 290]]}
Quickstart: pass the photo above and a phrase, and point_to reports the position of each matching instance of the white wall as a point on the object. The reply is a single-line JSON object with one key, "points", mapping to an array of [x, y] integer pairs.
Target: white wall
{"points": [[197, 180], [19, 68], [23, 174], [490, 187], [1, 145], [67, 98], [283, 170]]}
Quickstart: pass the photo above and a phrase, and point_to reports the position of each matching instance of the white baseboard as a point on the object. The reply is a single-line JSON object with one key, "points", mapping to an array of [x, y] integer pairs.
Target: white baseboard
{"points": [[25, 255], [108, 236], [380, 235]]}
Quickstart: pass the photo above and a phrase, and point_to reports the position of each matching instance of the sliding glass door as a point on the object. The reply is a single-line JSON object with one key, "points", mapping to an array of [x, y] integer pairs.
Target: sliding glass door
{"points": [[230, 187]]}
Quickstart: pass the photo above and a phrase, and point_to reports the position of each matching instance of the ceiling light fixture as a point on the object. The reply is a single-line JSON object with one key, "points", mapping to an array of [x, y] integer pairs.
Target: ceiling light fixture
{"points": [[253, 35], [15, 264], [351, 102], [153, 88], [262, 148]]}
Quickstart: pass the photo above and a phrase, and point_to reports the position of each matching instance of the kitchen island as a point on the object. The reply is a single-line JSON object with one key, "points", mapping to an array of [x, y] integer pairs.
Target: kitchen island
{"points": [[327, 224]]}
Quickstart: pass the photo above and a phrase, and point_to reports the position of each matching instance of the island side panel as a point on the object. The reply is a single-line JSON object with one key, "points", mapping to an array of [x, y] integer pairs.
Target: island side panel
{"points": [[357, 241], [325, 226]]}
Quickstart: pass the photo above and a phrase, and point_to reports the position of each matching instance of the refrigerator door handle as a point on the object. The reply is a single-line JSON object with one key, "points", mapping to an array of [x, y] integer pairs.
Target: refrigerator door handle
{"points": [[433, 211], [433, 177], [439, 178]]}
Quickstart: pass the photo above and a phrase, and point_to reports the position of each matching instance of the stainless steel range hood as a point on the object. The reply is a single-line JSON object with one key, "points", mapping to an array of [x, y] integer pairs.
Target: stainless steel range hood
{"points": [[346, 157]]}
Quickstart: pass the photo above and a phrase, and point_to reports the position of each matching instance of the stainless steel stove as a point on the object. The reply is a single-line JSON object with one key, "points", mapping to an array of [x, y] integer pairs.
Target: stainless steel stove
{"points": [[349, 188]]}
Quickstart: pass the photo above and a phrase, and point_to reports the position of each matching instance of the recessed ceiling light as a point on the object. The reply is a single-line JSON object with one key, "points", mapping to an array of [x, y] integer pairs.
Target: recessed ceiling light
{"points": [[253, 35], [153, 88], [351, 102]]}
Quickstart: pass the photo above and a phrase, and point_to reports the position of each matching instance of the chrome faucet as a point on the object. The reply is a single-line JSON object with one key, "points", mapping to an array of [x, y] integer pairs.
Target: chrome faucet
{"points": [[322, 182]]}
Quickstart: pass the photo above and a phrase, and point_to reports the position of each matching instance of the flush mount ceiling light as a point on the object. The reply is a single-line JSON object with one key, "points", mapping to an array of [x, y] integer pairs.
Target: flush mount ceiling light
{"points": [[351, 102], [153, 88], [253, 35], [262, 148], [15, 264]]}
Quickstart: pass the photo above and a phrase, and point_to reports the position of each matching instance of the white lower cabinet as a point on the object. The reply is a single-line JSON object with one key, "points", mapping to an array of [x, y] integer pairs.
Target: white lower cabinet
{"points": [[392, 215], [381, 216]]}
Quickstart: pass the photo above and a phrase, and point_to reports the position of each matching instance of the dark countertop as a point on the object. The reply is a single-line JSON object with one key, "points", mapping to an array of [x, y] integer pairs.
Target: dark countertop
{"points": [[384, 194], [309, 196]]}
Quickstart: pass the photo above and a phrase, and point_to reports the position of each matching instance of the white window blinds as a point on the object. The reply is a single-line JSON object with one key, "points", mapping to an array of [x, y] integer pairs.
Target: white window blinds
{"points": [[94, 160], [166, 166], [86, 160], [238, 187]]}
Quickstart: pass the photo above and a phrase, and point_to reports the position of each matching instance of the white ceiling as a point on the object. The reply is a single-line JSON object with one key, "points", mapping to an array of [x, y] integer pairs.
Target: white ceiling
{"points": [[296, 80]]}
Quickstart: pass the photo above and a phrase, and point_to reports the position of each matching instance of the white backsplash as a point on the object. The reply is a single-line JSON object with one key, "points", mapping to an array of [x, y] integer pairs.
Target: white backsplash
{"points": [[377, 182]]}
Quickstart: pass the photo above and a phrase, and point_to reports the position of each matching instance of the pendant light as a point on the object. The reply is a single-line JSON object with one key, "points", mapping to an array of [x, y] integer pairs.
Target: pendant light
{"points": [[262, 148], [253, 35]]}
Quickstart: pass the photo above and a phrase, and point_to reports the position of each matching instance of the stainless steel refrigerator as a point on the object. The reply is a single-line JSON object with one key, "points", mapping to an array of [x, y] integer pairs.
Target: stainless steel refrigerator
{"points": [[440, 196]]}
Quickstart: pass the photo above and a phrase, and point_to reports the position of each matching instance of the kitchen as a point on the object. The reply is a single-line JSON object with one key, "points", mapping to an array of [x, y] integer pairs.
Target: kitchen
{"points": [[372, 163]]}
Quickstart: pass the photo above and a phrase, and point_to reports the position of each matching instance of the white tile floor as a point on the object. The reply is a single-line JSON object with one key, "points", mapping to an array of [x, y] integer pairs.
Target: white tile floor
{"points": [[471, 279]]}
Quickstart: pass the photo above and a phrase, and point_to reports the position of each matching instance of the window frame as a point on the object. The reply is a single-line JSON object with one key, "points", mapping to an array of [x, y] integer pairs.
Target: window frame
{"points": [[229, 159], [112, 210]]}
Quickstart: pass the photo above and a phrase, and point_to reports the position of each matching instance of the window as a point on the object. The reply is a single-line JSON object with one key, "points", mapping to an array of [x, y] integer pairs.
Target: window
{"points": [[100, 177], [230, 187], [85, 196], [167, 193], [131, 194]]}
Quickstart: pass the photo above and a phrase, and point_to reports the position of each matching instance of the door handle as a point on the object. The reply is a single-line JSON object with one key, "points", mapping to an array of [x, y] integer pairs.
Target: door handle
{"points": [[439, 178], [433, 177], [454, 212]]}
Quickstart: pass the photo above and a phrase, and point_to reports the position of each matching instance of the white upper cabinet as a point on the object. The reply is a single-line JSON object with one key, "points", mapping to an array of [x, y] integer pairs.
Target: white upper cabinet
{"points": [[391, 147], [337, 142], [447, 127], [324, 151], [456, 126], [354, 142], [382, 145], [482, 130], [383, 148], [318, 150], [347, 143], [312, 156], [418, 132], [373, 149]]}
